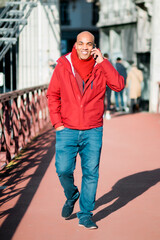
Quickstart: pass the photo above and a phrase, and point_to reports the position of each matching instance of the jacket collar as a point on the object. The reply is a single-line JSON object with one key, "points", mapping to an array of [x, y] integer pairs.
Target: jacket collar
{"points": [[66, 60], [67, 63]]}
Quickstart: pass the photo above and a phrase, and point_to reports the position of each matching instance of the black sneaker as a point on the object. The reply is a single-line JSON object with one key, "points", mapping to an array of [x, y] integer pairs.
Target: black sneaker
{"points": [[87, 223], [69, 206]]}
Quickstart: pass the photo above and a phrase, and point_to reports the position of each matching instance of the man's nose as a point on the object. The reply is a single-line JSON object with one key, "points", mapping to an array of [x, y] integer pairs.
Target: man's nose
{"points": [[85, 46]]}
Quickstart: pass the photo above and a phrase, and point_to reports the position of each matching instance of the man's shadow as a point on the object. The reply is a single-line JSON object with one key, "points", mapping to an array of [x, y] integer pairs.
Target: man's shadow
{"points": [[125, 190]]}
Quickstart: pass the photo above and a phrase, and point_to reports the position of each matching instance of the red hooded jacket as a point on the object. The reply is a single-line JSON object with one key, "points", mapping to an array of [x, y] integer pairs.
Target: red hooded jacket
{"points": [[68, 107]]}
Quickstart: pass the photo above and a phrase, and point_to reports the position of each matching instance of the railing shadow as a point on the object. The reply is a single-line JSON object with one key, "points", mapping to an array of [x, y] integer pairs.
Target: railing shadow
{"points": [[125, 190], [37, 157]]}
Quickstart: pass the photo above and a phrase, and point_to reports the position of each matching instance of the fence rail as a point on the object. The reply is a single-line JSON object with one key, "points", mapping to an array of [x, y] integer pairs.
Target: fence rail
{"points": [[23, 113]]}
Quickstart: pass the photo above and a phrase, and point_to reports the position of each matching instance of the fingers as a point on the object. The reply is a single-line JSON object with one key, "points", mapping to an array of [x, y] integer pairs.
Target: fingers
{"points": [[96, 53], [59, 128]]}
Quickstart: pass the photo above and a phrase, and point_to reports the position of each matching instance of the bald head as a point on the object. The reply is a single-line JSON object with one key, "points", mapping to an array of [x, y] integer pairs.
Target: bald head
{"points": [[84, 44], [85, 34]]}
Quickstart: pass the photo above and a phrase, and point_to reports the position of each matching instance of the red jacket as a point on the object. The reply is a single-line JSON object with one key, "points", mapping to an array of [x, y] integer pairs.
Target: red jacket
{"points": [[66, 104]]}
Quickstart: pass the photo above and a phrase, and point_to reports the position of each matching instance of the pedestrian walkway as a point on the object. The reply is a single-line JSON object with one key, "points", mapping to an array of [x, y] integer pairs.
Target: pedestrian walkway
{"points": [[128, 196]]}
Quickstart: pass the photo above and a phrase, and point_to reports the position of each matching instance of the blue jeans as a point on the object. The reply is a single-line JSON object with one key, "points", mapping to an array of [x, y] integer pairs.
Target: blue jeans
{"points": [[88, 144], [116, 99]]}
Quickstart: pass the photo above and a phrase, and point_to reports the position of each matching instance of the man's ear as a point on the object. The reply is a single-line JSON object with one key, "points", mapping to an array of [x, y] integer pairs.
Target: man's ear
{"points": [[75, 45]]}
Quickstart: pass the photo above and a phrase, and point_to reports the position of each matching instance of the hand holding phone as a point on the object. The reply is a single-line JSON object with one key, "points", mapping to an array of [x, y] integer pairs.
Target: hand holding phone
{"points": [[97, 55], [94, 56]]}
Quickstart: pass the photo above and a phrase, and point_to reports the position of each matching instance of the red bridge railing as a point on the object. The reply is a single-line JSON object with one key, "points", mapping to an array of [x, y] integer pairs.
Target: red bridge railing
{"points": [[23, 113]]}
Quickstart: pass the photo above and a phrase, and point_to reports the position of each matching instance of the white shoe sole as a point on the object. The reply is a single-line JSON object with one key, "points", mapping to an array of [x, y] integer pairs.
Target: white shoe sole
{"points": [[81, 225]]}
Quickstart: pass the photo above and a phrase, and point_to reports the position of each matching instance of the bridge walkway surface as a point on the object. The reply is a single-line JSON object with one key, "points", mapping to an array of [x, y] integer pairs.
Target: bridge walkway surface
{"points": [[128, 196]]}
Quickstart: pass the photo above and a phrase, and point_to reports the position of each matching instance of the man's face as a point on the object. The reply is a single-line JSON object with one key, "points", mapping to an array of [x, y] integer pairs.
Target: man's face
{"points": [[84, 45]]}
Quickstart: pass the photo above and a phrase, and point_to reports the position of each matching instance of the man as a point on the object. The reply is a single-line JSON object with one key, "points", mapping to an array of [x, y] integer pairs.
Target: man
{"points": [[76, 104], [122, 71]]}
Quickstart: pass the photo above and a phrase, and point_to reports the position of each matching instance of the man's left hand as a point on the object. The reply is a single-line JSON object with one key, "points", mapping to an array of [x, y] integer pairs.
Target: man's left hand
{"points": [[96, 53]]}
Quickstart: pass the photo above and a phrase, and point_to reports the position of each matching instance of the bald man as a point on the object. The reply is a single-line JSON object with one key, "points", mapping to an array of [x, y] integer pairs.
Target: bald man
{"points": [[76, 103]]}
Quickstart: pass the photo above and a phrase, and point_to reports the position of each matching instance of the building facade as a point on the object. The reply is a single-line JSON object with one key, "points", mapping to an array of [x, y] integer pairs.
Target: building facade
{"points": [[155, 53], [39, 44], [26, 63], [125, 31]]}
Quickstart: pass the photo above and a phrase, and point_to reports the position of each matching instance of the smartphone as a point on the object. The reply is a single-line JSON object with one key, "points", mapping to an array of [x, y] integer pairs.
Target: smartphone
{"points": [[94, 56]]}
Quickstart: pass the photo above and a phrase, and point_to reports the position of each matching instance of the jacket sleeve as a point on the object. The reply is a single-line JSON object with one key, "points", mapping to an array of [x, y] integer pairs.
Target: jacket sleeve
{"points": [[54, 100], [113, 79]]}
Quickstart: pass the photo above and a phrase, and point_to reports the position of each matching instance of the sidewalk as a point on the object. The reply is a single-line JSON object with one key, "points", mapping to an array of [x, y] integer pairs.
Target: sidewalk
{"points": [[128, 196]]}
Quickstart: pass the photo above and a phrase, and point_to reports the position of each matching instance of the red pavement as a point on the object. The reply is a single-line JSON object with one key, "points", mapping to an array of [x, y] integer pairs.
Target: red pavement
{"points": [[128, 196]]}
